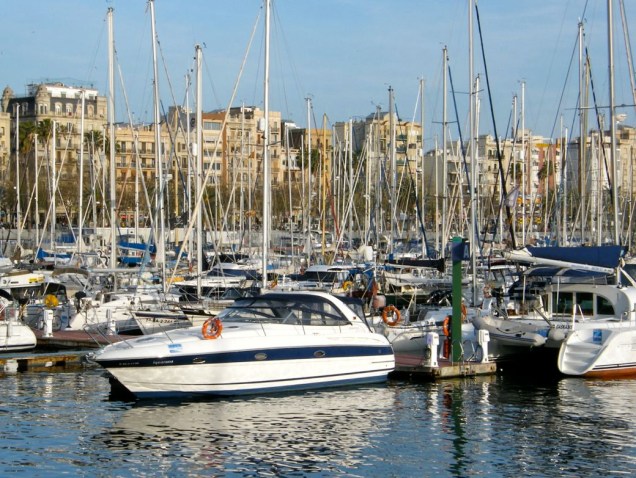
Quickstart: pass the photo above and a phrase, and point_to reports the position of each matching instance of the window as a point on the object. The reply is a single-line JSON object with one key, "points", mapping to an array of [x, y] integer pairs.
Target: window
{"points": [[69, 109], [585, 300], [42, 109], [58, 108], [211, 126], [604, 306], [563, 302]]}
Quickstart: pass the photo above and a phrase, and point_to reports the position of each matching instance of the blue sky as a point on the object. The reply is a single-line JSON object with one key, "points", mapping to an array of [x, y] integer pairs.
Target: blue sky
{"points": [[342, 53]]}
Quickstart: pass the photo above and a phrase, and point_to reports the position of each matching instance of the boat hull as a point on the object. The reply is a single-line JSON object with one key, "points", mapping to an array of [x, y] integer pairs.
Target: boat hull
{"points": [[600, 353], [16, 336]]}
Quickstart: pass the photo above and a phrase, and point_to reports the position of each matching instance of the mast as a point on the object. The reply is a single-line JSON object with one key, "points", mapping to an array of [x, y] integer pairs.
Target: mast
{"points": [[582, 135], [37, 190], [158, 150], [392, 198], [111, 134], [309, 165], [199, 168], [80, 219], [424, 251], [610, 43], [473, 156], [445, 147], [266, 165], [524, 162], [53, 185], [18, 211]]}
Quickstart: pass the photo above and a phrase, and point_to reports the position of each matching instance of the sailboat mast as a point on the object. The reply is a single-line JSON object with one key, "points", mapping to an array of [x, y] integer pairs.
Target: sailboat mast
{"points": [[582, 136], [444, 148], [80, 219], [393, 193], [18, 211], [266, 165], [111, 135], [610, 43], [53, 185], [158, 149], [424, 251], [473, 165], [199, 168], [37, 190], [309, 197]]}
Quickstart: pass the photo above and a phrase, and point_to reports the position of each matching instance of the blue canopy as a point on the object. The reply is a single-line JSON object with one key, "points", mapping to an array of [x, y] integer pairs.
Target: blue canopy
{"points": [[601, 256]]}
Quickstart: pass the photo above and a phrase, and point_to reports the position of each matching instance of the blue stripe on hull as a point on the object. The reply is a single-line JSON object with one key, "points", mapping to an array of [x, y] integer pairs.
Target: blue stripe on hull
{"points": [[618, 366], [289, 353], [328, 383]]}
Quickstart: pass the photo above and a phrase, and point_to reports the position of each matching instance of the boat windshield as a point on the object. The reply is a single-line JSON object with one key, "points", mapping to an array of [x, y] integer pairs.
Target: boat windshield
{"points": [[284, 311]]}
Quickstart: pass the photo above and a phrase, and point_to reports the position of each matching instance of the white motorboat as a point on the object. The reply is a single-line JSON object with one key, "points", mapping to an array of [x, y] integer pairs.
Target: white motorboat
{"points": [[270, 343], [14, 333], [607, 352]]}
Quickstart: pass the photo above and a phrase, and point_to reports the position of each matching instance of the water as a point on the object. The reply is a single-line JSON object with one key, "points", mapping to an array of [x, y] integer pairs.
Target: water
{"points": [[66, 424]]}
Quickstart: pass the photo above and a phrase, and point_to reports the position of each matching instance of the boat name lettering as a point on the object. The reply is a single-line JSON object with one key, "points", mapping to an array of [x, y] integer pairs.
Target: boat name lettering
{"points": [[173, 348], [162, 362]]}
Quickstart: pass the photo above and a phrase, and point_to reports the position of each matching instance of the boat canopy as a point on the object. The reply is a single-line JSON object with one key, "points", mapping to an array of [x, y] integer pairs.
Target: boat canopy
{"points": [[284, 309], [602, 256]]}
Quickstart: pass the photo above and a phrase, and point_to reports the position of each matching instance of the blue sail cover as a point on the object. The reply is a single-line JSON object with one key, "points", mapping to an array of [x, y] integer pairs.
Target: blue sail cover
{"points": [[601, 256]]}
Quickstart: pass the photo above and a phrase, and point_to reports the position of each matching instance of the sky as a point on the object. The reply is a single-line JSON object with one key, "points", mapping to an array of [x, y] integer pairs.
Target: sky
{"points": [[343, 54]]}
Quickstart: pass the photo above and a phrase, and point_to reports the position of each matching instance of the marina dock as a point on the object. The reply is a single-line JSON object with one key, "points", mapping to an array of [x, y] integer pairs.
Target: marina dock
{"points": [[74, 339], [41, 362], [413, 367], [63, 350]]}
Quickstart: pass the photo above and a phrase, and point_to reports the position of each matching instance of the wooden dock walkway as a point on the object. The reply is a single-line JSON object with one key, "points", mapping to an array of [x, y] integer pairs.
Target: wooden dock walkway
{"points": [[74, 339], [63, 350], [412, 366]]}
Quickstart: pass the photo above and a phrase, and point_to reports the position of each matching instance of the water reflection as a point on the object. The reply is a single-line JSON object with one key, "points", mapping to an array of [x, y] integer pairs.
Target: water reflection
{"points": [[63, 424], [322, 431]]}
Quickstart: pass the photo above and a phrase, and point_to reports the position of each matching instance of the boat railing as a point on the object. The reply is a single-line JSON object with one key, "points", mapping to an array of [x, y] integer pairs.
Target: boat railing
{"points": [[102, 336], [574, 314]]}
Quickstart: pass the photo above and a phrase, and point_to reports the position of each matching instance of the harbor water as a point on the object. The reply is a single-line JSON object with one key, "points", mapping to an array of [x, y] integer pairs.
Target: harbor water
{"points": [[68, 424]]}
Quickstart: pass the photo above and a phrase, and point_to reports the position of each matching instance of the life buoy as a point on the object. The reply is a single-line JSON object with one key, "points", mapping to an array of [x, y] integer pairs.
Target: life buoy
{"points": [[346, 285], [446, 326], [464, 312], [212, 328], [394, 313]]}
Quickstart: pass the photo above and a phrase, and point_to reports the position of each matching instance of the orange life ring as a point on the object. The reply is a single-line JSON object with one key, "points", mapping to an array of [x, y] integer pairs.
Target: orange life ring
{"points": [[464, 312], [446, 326], [394, 312], [212, 328]]}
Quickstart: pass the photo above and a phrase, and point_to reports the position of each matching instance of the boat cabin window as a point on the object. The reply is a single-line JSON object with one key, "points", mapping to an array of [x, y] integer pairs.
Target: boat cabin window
{"points": [[604, 306], [295, 312], [563, 302], [566, 302], [585, 300]]}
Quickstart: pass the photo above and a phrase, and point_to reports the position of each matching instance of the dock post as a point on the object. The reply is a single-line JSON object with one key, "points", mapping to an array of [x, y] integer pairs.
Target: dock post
{"points": [[459, 250], [111, 327], [48, 323], [432, 341], [483, 337]]}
